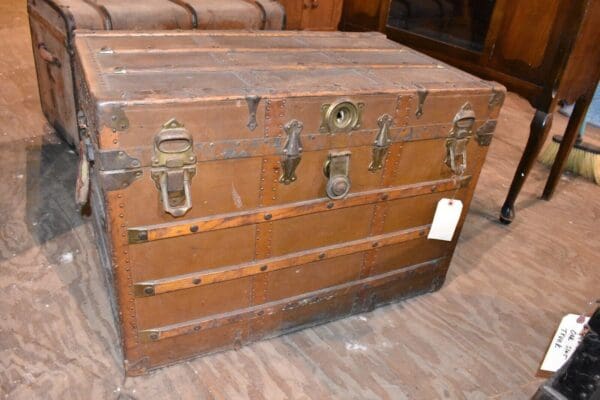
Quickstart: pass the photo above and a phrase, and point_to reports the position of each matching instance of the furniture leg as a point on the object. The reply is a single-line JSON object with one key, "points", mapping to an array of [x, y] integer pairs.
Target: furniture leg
{"points": [[568, 140], [540, 126]]}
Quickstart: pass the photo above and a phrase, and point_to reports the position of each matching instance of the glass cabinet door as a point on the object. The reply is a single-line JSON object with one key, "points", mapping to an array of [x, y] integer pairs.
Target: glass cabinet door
{"points": [[462, 23]]}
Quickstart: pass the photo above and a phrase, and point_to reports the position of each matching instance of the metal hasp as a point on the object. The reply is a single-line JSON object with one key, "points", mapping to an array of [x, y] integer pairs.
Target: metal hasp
{"points": [[422, 95], [292, 152], [252, 106], [456, 144], [173, 166], [337, 169], [341, 116], [382, 142]]}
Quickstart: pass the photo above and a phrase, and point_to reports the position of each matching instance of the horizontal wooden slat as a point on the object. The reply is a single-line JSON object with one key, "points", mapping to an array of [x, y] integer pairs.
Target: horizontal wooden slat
{"points": [[290, 303], [260, 67], [218, 33], [142, 234], [204, 50], [187, 281]]}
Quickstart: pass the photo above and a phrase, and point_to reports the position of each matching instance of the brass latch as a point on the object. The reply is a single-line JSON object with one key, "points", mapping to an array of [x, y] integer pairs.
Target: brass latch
{"points": [[337, 169], [292, 152], [173, 166], [456, 144], [382, 142]]}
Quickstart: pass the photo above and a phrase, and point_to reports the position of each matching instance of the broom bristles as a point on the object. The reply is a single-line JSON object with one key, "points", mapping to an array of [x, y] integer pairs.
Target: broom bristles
{"points": [[580, 162], [549, 154]]}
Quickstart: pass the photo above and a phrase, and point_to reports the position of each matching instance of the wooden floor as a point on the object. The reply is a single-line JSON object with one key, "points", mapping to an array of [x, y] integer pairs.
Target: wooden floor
{"points": [[481, 336]]}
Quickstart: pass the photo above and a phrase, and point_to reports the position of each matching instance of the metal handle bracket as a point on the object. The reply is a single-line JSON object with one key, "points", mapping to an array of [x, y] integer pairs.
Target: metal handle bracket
{"points": [[456, 144], [173, 166]]}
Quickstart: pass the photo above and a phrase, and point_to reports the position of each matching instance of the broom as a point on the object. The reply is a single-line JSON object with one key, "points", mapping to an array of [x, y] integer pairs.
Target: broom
{"points": [[584, 158]]}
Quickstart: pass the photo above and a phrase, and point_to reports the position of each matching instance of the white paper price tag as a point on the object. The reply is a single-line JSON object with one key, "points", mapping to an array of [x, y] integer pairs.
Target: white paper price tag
{"points": [[446, 218], [564, 343]]}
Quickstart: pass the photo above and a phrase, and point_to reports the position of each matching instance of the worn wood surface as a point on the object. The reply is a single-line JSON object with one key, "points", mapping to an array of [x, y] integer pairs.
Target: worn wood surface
{"points": [[481, 336]]}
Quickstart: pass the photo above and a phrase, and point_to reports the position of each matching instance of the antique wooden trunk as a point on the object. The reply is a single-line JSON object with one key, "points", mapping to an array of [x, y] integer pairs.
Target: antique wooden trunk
{"points": [[250, 184], [54, 22]]}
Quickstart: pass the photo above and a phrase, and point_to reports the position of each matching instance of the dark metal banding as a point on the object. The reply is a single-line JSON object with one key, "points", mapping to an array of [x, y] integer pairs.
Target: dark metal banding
{"points": [[103, 12], [190, 10], [262, 11]]}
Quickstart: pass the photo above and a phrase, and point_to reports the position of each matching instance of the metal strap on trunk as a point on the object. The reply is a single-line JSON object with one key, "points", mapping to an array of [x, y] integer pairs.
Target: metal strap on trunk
{"points": [[190, 10], [103, 12], [263, 12]]}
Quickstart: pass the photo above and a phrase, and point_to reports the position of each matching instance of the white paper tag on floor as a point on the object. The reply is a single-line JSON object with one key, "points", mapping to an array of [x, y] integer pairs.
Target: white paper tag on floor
{"points": [[446, 218], [564, 343]]}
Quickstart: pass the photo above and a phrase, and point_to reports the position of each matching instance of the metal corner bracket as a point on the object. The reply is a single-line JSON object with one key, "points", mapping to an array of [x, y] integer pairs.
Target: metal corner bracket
{"points": [[485, 132], [116, 169]]}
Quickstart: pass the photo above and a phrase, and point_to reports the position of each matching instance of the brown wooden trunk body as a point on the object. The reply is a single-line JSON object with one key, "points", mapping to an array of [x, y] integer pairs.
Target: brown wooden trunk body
{"points": [[54, 22], [255, 257]]}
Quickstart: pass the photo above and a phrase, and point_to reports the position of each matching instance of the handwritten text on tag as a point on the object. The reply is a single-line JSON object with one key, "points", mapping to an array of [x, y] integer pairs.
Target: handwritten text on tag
{"points": [[445, 220], [564, 343]]}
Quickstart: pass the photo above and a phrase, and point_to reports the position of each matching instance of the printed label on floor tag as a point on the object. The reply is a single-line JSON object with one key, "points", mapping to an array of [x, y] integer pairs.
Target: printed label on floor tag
{"points": [[446, 218], [564, 343]]}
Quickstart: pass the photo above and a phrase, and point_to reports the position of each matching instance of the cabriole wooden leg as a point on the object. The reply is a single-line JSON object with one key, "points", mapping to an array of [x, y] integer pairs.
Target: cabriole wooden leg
{"points": [[568, 140], [540, 126]]}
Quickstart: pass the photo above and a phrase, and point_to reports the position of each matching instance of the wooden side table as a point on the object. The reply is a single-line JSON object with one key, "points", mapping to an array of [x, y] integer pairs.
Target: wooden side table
{"points": [[545, 50]]}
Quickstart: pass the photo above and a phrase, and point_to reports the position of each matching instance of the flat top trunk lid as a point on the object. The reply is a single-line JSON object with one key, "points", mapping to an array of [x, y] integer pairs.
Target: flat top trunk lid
{"points": [[235, 91], [134, 67]]}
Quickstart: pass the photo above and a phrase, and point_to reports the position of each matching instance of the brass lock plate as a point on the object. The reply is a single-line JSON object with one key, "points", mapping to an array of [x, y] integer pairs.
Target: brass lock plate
{"points": [[341, 116], [337, 170]]}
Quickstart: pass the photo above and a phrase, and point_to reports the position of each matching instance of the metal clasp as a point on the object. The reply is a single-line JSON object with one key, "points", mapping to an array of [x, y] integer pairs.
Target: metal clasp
{"points": [[456, 144], [382, 142], [337, 169], [292, 151], [173, 166]]}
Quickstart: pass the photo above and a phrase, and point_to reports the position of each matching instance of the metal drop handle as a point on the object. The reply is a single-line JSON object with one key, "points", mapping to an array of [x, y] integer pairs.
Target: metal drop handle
{"points": [[173, 166], [456, 144]]}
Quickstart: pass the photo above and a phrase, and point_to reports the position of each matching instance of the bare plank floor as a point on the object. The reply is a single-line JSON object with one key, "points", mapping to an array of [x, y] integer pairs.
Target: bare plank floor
{"points": [[481, 336]]}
